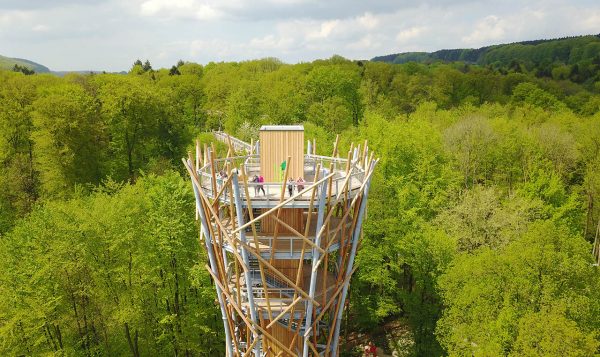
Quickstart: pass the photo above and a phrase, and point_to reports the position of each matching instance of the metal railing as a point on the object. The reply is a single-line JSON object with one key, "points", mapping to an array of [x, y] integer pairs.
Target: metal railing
{"points": [[237, 143], [270, 192]]}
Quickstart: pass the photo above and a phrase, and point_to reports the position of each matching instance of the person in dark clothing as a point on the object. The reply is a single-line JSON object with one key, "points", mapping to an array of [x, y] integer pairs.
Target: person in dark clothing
{"points": [[261, 187], [290, 186], [256, 185]]}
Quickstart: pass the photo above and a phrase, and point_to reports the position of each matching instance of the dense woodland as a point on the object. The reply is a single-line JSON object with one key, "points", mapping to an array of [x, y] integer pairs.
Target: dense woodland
{"points": [[575, 58], [481, 219]]}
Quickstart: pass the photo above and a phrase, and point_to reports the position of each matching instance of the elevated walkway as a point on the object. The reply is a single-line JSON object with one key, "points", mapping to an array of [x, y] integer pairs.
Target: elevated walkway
{"points": [[288, 246], [281, 261], [279, 294], [237, 144], [270, 194]]}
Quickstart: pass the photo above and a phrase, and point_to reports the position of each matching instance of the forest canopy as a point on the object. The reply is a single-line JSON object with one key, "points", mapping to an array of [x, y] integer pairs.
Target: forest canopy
{"points": [[481, 221]]}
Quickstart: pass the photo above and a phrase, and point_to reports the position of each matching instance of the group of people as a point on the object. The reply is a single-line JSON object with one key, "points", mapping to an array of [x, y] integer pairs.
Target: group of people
{"points": [[369, 350], [259, 180], [299, 183]]}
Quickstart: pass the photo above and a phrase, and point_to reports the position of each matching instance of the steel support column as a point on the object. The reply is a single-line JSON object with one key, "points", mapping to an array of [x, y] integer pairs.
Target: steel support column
{"points": [[240, 218], [213, 266], [313, 274], [355, 238]]}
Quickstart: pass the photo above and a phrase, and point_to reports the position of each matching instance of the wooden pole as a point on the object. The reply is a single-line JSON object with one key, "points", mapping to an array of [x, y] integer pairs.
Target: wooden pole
{"points": [[255, 239], [306, 231], [274, 209], [281, 198], [335, 146]]}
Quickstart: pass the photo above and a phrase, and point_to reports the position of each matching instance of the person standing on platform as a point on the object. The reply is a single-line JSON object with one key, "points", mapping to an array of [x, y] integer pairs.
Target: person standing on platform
{"points": [[224, 178], [290, 186], [261, 180], [256, 185], [300, 183]]}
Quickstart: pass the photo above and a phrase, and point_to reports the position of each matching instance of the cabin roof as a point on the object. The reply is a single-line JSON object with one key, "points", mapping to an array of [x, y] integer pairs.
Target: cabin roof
{"points": [[282, 128]]}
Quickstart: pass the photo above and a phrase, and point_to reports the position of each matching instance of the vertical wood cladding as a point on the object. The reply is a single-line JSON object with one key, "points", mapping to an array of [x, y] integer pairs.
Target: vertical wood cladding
{"points": [[285, 336], [275, 147], [292, 216]]}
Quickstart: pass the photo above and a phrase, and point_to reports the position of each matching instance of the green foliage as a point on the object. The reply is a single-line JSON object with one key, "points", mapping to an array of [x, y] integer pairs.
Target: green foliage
{"points": [[23, 69], [78, 274], [529, 93], [494, 296], [571, 58], [481, 210], [547, 333], [7, 63], [67, 139], [480, 219]]}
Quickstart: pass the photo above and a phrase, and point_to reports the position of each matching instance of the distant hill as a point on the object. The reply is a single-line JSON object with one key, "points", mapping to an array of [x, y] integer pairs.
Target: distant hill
{"points": [[9, 63], [530, 54]]}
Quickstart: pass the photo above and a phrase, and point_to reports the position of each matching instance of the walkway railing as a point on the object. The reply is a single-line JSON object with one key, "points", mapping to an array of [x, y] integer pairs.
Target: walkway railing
{"points": [[269, 192], [238, 145]]}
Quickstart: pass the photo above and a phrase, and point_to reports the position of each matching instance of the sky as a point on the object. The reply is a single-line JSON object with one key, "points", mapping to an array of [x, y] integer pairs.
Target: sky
{"points": [[111, 34]]}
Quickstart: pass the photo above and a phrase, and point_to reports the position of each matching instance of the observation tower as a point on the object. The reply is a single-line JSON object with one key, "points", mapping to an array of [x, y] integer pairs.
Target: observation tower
{"points": [[281, 249]]}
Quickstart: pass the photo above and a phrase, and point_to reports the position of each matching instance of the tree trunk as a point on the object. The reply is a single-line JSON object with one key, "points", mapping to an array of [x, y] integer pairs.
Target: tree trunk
{"points": [[590, 216], [49, 337], [58, 336], [133, 344], [130, 266], [596, 246]]}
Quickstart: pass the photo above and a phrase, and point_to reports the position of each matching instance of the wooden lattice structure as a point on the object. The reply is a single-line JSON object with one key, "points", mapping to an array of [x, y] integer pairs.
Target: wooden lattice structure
{"points": [[281, 262]]}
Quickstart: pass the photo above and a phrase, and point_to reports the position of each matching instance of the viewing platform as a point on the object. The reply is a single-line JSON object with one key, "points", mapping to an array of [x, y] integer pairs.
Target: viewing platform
{"points": [[281, 226], [271, 196], [279, 295], [288, 246]]}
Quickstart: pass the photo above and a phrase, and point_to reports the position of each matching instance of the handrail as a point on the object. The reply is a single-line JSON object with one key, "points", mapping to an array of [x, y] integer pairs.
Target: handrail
{"points": [[222, 136], [269, 192], [233, 158], [272, 190], [329, 158]]}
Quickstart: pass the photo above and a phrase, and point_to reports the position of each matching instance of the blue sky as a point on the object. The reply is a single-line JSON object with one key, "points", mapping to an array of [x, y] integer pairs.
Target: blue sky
{"points": [[111, 34]]}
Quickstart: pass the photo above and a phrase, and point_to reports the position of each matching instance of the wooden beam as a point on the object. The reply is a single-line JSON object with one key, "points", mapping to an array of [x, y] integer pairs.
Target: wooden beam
{"points": [[312, 347], [306, 231], [285, 311], [278, 273], [297, 333], [281, 198], [231, 300], [255, 237], [352, 203], [274, 209], [298, 234], [215, 215], [335, 145], [231, 148], [250, 347], [332, 298], [198, 154]]}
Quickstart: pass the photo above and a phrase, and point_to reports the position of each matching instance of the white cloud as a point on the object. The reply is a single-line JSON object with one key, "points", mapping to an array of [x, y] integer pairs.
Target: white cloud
{"points": [[173, 9], [40, 28], [367, 42], [589, 20], [12, 18], [489, 28], [271, 43], [111, 34], [325, 30], [368, 20], [410, 33]]}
